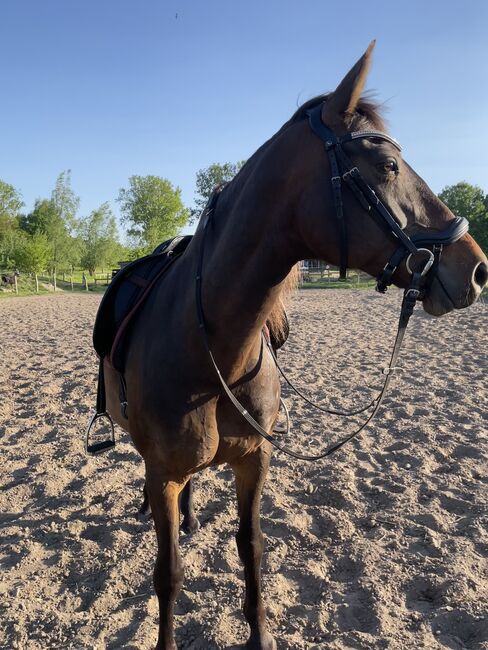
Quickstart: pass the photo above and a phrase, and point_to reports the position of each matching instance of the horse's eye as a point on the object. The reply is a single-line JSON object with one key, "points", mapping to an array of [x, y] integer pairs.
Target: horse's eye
{"points": [[388, 167]]}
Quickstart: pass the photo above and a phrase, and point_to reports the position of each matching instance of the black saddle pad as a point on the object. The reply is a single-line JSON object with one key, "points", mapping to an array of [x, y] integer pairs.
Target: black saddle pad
{"points": [[126, 293]]}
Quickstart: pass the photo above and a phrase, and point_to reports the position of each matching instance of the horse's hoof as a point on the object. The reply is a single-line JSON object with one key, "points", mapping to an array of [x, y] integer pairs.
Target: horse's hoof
{"points": [[190, 526], [144, 514]]}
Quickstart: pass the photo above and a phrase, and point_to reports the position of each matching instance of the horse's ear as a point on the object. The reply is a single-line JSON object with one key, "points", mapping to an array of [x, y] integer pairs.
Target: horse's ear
{"points": [[343, 101]]}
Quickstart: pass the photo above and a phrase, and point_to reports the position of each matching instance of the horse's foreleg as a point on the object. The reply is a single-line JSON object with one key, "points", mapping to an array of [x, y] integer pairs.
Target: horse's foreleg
{"points": [[250, 473], [190, 523], [168, 572]]}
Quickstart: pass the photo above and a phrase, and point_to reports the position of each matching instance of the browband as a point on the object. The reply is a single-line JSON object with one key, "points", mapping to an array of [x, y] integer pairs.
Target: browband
{"points": [[331, 139]]}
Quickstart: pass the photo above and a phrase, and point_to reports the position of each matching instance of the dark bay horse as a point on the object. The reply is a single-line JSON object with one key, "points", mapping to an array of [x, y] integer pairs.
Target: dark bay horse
{"points": [[9, 280], [278, 210]]}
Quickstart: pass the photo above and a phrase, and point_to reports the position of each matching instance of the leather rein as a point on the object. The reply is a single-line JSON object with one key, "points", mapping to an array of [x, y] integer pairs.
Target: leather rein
{"points": [[421, 263]]}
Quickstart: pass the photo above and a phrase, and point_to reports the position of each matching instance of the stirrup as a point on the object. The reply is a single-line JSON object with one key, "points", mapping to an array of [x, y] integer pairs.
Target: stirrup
{"points": [[104, 445]]}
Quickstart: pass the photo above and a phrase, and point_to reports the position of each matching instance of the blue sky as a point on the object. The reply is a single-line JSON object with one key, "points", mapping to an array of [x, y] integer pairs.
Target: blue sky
{"points": [[111, 88]]}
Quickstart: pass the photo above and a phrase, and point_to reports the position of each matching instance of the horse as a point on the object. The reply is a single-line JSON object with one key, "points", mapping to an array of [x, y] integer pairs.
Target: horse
{"points": [[9, 280], [280, 208]]}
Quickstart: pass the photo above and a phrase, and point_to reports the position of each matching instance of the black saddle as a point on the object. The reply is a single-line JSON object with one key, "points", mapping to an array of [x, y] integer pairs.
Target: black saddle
{"points": [[125, 295]]}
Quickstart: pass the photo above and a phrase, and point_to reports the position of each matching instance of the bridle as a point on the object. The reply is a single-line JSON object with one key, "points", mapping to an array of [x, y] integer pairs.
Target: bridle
{"points": [[421, 270], [343, 170]]}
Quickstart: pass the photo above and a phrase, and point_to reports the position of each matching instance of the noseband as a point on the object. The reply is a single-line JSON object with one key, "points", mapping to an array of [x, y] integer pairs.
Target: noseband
{"points": [[344, 170]]}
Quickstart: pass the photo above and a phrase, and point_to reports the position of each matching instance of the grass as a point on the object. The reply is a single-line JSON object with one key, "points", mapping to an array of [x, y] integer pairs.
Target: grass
{"points": [[27, 287]]}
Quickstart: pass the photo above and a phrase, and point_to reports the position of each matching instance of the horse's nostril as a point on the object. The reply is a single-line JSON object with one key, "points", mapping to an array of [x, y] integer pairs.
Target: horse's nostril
{"points": [[481, 274]]}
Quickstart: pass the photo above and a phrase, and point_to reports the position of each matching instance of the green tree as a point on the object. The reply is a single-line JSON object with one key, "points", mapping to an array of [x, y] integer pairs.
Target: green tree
{"points": [[40, 219], [469, 201], [56, 218], [10, 201], [153, 210], [65, 201], [32, 254], [10, 204], [45, 218], [99, 236], [208, 179]]}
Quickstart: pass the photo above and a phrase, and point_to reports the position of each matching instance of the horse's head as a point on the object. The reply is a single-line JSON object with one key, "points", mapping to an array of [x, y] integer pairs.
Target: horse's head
{"points": [[460, 271]]}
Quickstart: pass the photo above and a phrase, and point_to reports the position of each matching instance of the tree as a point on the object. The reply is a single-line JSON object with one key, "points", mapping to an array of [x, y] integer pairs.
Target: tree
{"points": [[209, 178], [45, 218], [65, 201], [152, 209], [10, 204], [41, 218], [99, 236], [32, 254], [10, 201], [56, 218], [469, 201]]}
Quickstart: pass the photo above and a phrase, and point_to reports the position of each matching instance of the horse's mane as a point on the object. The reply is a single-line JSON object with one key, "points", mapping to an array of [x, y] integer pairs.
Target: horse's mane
{"points": [[277, 321]]}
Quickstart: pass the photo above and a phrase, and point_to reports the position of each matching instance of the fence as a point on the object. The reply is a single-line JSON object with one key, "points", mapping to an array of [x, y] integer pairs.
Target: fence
{"points": [[316, 275], [78, 280]]}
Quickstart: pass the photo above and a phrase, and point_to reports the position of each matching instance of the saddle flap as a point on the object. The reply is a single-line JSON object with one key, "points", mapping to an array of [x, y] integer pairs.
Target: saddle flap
{"points": [[126, 293]]}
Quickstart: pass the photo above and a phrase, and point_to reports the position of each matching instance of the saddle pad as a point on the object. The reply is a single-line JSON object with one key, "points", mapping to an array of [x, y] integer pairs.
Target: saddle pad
{"points": [[125, 295]]}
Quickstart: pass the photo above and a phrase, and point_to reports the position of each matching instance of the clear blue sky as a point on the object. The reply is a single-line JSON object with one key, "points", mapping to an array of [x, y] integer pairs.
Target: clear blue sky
{"points": [[111, 88]]}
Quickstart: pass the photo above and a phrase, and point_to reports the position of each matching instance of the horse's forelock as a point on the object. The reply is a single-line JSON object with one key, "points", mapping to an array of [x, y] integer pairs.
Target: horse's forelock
{"points": [[367, 111]]}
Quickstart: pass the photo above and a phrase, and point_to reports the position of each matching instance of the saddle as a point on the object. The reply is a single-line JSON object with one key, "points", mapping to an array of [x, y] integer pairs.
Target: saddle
{"points": [[118, 309], [125, 296]]}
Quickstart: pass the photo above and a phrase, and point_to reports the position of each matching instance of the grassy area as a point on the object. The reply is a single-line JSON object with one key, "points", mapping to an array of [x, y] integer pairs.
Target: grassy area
{"points": [[78, 281], [27, 287]]}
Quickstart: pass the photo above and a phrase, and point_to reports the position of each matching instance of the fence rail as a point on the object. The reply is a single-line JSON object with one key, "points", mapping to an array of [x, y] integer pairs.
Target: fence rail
{"points": [[326, 276], [26, 283], [311, 277]]}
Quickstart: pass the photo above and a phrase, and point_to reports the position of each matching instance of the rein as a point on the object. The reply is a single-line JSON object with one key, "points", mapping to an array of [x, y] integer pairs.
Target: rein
{"points": [[409, 299], [422, 273]]}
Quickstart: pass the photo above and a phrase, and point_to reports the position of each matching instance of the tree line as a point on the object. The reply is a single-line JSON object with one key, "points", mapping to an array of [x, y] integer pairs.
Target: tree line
{"points": [[52, 238]]}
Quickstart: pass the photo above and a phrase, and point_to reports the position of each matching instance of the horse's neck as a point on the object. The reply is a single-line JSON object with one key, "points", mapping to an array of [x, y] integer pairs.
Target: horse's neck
{"points": [[245, 265]]}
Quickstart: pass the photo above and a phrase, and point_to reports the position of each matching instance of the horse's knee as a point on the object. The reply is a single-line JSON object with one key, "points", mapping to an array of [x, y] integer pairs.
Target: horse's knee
{"points": [[250, 543], [168, 576]]}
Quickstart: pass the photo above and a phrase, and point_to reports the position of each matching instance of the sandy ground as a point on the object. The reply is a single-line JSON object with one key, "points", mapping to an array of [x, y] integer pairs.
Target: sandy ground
{"points": [[383, 546]]}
